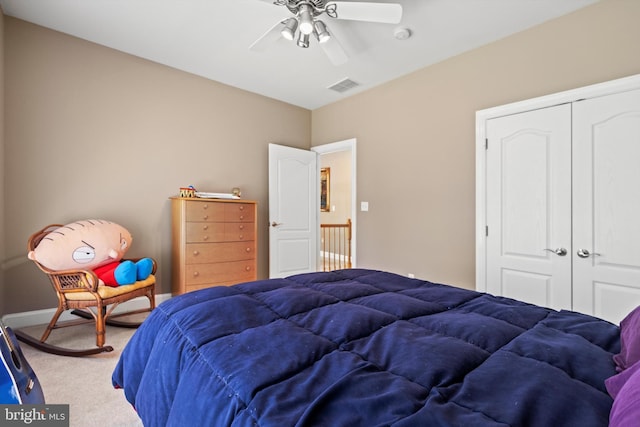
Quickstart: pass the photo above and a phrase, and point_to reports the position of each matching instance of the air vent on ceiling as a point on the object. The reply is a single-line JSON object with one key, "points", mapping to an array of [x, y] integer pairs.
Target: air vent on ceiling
{"points": [[344, 85]]}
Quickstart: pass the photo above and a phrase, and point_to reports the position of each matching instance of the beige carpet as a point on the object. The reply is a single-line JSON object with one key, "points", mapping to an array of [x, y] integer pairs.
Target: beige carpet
{"points": [[83, 382]]}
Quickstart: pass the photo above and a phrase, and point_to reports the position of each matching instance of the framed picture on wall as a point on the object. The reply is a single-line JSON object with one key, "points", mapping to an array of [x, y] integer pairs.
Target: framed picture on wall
{"points": [[325, 176]]}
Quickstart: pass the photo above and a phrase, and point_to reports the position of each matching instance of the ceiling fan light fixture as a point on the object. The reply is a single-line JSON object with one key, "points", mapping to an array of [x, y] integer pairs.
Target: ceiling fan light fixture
{"points": [[306, 19], [321, 32], [289, 30], [303, 40]]}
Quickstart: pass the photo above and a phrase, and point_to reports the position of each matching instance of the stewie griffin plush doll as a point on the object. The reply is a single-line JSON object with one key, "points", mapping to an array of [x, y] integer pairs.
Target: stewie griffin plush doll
{"points": [[92, 244]]}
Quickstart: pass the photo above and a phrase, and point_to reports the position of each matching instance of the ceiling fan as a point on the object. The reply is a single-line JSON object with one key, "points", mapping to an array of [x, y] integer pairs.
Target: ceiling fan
{"points": [[306, 22]]}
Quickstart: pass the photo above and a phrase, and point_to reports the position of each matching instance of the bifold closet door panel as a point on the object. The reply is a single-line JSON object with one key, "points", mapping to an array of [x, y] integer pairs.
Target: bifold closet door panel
{"points": [[606, 205], [528, 199]]}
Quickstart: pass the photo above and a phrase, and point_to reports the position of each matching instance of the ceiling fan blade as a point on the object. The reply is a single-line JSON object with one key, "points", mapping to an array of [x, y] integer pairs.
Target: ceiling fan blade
{"points": [[334, 51], [268, 38], [387, 13]]}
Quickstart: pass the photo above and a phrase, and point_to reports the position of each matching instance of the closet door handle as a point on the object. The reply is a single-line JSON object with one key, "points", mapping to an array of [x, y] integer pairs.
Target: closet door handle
{"points": [[559, 251], [583, 253]]}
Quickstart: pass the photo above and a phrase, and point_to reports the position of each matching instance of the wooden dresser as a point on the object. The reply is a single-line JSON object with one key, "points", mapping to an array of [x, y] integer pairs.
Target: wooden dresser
{"points": [[214, 243]]}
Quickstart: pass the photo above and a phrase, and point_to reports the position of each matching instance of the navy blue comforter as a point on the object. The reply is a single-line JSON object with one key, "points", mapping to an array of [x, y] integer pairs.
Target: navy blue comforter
{"points": [[365, 348]]}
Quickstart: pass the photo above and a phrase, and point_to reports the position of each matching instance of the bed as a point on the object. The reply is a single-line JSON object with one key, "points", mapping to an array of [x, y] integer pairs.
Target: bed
{"points": [[368, 348]]}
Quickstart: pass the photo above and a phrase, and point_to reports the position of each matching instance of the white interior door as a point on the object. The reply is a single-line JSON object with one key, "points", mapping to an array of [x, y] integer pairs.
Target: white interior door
{"points": [[293, 211], [606, 209], [528, 203]]}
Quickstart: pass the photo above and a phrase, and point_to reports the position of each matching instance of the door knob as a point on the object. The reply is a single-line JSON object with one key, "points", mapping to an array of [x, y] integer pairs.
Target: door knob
{"points": [[583, 253], [559, 251], [275, 224]]}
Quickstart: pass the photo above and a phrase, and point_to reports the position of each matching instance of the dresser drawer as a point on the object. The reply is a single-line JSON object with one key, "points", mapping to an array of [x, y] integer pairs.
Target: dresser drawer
{"points": [[220, 273], [239, 212], [202, 232], [204, 211], [200, 253], [239, 231]]}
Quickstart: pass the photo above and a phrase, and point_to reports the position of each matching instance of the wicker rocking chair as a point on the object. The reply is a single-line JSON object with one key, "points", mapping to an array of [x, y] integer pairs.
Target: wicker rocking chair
{"points": [[79, 290]]}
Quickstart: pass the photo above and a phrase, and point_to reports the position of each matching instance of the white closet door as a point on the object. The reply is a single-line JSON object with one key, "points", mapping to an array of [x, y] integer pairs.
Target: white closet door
{"points": [[528, 203], [606, 207]]}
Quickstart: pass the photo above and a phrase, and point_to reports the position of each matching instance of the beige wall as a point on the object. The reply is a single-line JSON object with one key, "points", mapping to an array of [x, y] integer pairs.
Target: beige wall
{"points": [[2, 174], [92, 132], [416, 155], [339, 164]]}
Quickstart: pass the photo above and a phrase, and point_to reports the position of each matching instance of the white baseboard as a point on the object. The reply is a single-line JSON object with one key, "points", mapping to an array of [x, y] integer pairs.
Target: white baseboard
{"points": [[39, 317]]}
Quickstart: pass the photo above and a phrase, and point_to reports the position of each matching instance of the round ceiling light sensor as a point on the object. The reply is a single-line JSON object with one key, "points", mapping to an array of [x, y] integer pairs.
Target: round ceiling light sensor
{"points": [[402, 33]]}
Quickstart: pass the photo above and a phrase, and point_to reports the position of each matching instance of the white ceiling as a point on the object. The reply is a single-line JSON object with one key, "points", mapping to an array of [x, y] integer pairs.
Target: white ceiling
{"points": [[210, 38]]}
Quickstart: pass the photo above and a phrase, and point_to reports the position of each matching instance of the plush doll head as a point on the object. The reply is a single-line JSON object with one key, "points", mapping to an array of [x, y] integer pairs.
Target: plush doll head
{"points": [[84, 245]]}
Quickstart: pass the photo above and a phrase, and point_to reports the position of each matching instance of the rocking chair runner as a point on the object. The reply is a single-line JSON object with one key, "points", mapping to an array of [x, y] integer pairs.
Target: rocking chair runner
{"points": [[80, 291]]}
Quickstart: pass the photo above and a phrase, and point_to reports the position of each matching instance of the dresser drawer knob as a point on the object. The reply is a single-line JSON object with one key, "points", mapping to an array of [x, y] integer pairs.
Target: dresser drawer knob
{"points": [[241, 237], [206, 217], [241, 217], [196, 253], [205, 206], [206, 227], [241, 227], [241, 207], [247, 268], [248, 250], [196, 274], [205, 238]]}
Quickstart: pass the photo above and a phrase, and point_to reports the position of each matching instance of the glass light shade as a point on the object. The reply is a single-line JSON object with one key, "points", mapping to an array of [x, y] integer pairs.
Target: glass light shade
{"points": [[306, 19], [321, 32], [303, 40], [289, 30]]}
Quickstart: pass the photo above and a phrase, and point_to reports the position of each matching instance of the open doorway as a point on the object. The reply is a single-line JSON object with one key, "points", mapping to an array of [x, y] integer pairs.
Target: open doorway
{"points": [[337, 216]]}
